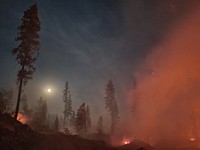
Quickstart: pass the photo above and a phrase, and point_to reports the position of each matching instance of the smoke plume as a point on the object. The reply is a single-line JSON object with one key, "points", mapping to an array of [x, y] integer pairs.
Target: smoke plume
{"points": [[166, 96]]}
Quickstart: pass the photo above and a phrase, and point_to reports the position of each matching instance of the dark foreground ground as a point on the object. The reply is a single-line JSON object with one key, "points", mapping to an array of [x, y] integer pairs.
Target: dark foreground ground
{"points": [[16, 136]]}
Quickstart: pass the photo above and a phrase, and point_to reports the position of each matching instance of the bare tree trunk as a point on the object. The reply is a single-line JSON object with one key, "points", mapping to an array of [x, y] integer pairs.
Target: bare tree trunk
{"points": [[19, 94], [18, 98]]}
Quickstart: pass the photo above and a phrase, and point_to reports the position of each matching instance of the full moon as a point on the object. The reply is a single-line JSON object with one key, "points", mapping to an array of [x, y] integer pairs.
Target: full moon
{"points": [[49, 90]]}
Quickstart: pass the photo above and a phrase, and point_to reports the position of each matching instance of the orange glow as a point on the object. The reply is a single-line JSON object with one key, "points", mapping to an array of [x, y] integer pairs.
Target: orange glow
{"points": [[126, 141], [192, 139], [166, 95], [22, 118]]}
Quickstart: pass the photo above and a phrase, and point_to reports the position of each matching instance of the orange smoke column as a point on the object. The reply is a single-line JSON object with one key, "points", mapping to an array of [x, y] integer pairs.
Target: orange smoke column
{"points": [[166, 97]]}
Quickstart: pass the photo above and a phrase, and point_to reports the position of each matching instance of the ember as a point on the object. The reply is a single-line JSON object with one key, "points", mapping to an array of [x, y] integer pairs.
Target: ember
{"points": [[192, 139], [126, 141]]}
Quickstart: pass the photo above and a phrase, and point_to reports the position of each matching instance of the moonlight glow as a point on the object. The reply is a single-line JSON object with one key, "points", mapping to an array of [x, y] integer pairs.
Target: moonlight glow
{"points": [[49, 90]]}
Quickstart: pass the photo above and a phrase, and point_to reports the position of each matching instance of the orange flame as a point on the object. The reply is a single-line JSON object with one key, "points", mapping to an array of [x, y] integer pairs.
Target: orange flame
{"points": [[22, 118], [126, 141]]}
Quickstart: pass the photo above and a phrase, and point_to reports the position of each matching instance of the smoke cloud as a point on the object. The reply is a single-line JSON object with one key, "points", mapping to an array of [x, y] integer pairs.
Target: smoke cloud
{"points": [[166, 96]]}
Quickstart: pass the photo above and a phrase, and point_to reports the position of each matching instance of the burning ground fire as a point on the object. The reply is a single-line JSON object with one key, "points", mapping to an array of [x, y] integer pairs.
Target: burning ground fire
{"points": [[126, 141], [22, 118]]}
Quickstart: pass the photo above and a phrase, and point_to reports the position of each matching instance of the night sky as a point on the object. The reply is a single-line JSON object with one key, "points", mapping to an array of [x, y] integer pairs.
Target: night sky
{"points": [[87, 42]]}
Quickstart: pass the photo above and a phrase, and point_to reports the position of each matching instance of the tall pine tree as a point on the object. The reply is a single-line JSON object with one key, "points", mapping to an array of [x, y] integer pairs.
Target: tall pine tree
{"points": [[27, 51], [81, 120], [111, 105], [67, 106]]}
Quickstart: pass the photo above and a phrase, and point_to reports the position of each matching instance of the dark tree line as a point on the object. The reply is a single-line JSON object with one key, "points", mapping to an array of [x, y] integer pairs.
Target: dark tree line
{"points": [[82, 120]]}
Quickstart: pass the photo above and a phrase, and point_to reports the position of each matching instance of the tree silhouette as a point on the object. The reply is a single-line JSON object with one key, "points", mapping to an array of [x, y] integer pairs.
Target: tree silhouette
{"points": [[111, 105], [28, 48], [68, 104], [81, 119]]}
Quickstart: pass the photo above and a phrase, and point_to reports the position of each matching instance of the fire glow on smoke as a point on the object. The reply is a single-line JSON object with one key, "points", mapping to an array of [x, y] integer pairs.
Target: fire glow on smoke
{"points": [[167, 92]]}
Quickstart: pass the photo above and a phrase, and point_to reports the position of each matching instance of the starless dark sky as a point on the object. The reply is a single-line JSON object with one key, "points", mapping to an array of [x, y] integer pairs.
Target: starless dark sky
{"points": [[87, 42]]}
